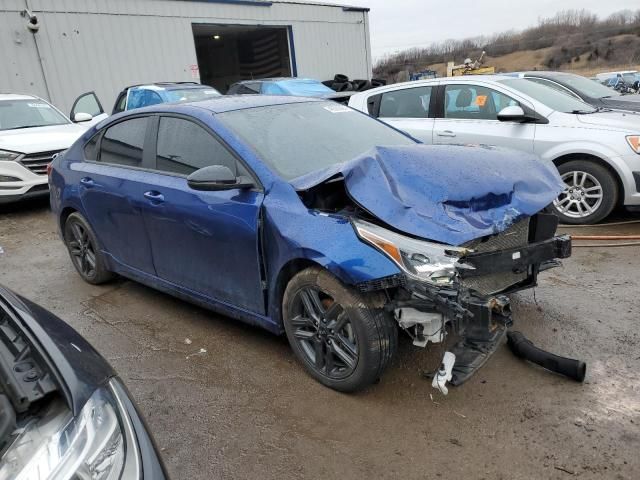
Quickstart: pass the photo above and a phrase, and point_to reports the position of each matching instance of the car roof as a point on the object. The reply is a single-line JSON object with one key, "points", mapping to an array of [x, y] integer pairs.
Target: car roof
{"points": [[277, 79], [430, 81], [546, 74], [228, 103], [16, 96], [167, 86]]}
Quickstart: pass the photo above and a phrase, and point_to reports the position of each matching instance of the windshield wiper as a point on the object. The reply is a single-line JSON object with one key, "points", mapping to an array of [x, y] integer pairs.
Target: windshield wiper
{"points": [[583, 112]]}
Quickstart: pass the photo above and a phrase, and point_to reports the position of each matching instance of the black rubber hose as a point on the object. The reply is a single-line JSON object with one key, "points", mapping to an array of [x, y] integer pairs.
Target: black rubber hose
{"points": [[523, 348]]}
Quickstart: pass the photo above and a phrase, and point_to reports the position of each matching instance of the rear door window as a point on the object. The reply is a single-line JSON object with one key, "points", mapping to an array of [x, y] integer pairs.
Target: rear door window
{"points": [[184, 147], [123, 142], [406, 103], [474, 102]]}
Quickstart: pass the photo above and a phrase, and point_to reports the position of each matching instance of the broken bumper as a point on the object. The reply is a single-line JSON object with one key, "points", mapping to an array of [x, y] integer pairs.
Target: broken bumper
{"points": [[480, 321]]}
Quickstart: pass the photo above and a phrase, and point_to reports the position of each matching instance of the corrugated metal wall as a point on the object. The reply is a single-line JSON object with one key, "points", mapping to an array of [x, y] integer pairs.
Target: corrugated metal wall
{"points": [[104, 45]]}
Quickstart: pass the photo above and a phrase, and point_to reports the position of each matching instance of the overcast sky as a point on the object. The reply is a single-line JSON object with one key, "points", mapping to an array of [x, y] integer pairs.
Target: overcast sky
{"points": [[399, 24]]}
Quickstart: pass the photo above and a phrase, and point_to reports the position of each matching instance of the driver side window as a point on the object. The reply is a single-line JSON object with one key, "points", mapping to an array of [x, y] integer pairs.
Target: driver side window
{"points": [[474, 102]]}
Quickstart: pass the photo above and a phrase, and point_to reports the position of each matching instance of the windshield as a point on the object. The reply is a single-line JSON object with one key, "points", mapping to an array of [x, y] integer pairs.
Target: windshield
{"points": [[296, 87], [584, 86], [192, 94], [28, 113], [299, 138], [561, 102]]}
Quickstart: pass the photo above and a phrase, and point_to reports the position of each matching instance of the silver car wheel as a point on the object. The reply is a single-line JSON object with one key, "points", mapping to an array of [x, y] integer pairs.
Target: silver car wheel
{"points": [[582, 196]]}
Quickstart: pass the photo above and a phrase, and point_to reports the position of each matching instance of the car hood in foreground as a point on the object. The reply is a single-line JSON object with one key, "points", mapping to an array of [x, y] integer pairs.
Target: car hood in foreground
{"points": [[449, 194], [77, 363], [41, 139]]}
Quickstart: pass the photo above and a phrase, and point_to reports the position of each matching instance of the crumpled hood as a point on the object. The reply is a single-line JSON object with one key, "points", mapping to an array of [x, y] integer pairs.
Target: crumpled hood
{"points": [[449, 194]]}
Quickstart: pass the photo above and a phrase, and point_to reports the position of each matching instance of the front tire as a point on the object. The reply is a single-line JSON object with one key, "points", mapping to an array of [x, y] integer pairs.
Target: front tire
{"points": [[590, 195], [83, 249], [343, 338]]}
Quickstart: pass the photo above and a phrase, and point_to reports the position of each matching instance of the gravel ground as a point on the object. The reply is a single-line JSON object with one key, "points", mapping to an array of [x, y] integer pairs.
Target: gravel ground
{"points": [[245, 409]]}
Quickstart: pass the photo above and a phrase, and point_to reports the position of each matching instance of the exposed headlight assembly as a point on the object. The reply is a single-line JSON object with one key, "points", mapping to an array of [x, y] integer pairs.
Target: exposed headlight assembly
{"points": [[98, 444], [8, 156], [634, 143], [426, 261]]}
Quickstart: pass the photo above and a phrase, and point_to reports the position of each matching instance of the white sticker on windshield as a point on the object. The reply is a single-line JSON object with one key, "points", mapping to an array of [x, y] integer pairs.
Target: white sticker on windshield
{"points": [[39, 105], [210, 92], [337, 108]]}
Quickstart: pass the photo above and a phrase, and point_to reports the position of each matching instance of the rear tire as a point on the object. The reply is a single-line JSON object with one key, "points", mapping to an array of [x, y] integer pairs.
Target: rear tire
{"points": [[590, 196], [83, 249], [344, 339]]}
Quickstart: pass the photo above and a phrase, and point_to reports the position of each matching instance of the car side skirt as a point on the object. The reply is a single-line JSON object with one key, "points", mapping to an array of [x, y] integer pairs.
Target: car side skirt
{"points": [[196, 298]]}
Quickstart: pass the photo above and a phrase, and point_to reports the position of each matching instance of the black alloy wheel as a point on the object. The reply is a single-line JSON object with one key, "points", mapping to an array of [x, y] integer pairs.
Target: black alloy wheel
{"points": [[82, 251], [324, 333], [342, 337], [87, 258]]}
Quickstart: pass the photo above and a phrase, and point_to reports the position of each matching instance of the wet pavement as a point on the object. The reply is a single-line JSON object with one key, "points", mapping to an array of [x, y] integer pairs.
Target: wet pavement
{"points": [[225, 400]]}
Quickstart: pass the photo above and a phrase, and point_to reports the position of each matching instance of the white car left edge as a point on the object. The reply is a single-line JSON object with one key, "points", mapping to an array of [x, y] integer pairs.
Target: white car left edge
{"points": [[32, 131]]}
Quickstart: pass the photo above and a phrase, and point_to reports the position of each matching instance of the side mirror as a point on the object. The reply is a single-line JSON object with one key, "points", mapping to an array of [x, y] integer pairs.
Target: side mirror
{"points": [[512, 113], [82, 117], [216, 178]]}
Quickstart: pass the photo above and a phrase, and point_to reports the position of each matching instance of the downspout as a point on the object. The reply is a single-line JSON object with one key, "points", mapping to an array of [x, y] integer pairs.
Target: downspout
{"points": [[33, 25]]}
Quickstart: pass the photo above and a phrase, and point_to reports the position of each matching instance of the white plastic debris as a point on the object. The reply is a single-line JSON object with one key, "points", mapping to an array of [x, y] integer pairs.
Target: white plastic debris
{"points": [[444, 375], [187, 341], [202, 351]]}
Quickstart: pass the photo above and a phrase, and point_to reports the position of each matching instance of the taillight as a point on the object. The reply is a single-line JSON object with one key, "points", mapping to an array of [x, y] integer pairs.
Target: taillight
{"points": [[49, 168]]}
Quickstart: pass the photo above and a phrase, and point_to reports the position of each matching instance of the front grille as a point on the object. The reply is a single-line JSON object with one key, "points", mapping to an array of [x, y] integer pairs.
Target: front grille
{"points": [[515, 236], [37, 162]]}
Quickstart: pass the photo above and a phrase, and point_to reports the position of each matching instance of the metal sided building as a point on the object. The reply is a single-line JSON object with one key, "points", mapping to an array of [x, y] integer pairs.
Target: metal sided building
{"points": [[59, 49]]}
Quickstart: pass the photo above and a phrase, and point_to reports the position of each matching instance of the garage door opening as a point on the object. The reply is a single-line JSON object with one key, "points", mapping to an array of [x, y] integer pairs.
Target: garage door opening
{"points": [[229, 53]]}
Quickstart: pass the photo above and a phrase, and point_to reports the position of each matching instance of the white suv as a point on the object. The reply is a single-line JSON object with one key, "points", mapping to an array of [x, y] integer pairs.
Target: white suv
{"points": [[31, 132], [596, 152]]}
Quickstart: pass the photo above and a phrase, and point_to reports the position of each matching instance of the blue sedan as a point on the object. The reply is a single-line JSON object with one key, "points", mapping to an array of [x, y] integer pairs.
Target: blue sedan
{"points": [[308, 218]]}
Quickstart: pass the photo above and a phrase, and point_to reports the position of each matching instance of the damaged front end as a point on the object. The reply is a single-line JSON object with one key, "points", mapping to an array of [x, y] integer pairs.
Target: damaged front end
{"points": [[462, 290], [465, 228]]}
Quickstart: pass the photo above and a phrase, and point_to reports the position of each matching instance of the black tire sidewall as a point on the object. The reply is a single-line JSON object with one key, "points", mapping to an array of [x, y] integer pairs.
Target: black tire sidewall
{"points": [[101, 274], [363, 318], [609, 191]]}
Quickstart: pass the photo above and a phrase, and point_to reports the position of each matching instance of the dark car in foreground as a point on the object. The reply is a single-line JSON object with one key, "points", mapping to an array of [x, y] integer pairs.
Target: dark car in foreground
{"points": [[64, 413], [309, 218], [585, 89], [302, 87]]}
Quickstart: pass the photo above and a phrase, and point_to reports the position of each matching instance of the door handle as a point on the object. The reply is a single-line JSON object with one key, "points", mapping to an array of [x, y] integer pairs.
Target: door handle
{"points": [[154, 197], [87, 182], [445, 133]]}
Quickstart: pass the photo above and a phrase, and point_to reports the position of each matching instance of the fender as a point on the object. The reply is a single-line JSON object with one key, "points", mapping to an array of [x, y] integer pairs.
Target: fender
{"points": [[293, 233]]}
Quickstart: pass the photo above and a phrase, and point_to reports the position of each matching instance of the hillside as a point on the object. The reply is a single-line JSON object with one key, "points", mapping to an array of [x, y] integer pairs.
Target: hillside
{"points": [[570, 41]]}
